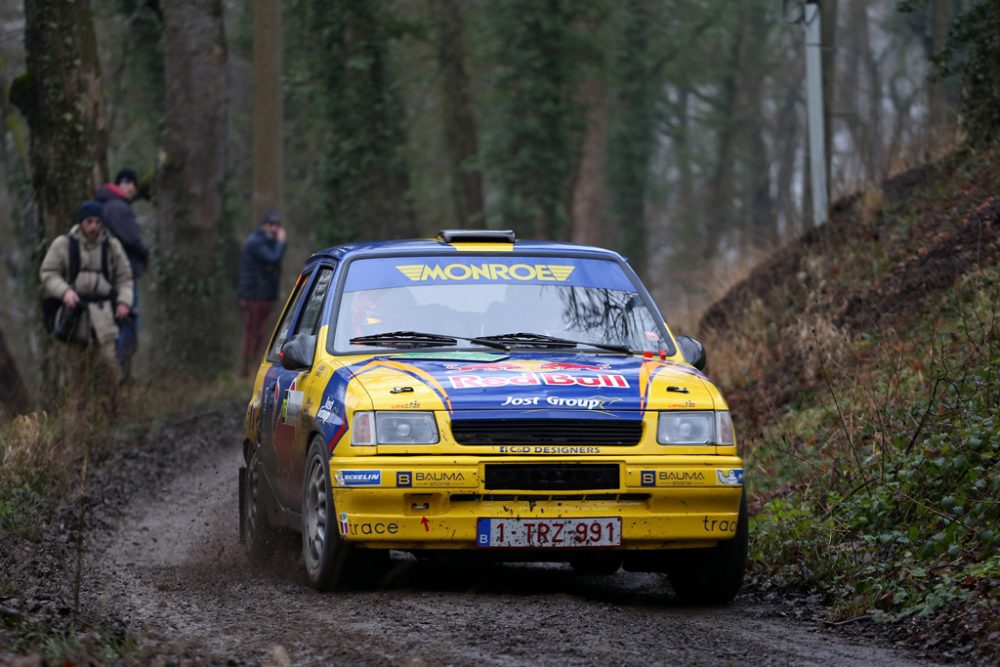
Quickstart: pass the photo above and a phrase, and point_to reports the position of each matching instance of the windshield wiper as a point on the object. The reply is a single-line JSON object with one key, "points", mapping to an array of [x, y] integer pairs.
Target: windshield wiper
{"points": [[421, 339], [541, 340]]}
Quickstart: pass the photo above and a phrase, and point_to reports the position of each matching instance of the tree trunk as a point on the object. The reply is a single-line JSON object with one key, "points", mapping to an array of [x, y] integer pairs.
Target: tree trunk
{"points": [[189, 188], [829, 59], [13, 395], [268, 147], [459, 118], [590, 193], [938, 105], [720, 203], [60, 95]]}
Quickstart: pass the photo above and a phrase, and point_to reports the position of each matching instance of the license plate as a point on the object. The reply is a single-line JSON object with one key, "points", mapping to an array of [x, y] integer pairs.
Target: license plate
{"points": [[550, 533]]}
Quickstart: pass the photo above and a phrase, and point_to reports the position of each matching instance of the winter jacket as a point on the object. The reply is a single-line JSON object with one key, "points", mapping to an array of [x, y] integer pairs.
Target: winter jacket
{"points": [[99, 317], [260, 267], [119, 219]]}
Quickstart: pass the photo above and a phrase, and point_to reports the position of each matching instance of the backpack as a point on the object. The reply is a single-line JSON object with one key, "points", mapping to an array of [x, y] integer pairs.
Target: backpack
{"points": [[57, 320]]}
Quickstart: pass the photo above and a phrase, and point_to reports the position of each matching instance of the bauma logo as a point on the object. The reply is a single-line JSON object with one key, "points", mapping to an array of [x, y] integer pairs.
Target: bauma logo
{"points": [[419, 272]]}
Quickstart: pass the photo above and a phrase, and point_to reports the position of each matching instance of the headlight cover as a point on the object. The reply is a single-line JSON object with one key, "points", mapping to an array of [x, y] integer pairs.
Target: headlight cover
{"points": [[394, 428], [703, 427]]}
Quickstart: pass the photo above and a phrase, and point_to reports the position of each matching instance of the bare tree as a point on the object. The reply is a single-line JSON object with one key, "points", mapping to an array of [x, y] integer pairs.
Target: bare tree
{"points": [[459, 117], [13, 395], [268, 181], [189, 186], [590, 193]]}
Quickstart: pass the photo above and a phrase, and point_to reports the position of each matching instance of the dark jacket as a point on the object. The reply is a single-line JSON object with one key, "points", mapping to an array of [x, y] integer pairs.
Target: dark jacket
{"points": [[119, 218], [260, 267]]}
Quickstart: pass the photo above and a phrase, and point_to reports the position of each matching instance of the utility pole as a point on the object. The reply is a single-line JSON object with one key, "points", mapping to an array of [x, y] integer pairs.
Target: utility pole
{"points": [[811, 21]]}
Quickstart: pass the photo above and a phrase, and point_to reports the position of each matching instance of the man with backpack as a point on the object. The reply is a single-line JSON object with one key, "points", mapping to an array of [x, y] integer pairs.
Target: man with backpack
{"points": [[86, 276]]}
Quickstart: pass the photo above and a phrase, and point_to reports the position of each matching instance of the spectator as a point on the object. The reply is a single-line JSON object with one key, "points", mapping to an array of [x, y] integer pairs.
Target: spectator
{"points": [[101, 289], [260, 274], [119, 219]]}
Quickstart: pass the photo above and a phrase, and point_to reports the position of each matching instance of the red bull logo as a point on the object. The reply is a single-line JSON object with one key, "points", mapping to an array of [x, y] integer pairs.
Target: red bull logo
{"points": [[472, 381]]}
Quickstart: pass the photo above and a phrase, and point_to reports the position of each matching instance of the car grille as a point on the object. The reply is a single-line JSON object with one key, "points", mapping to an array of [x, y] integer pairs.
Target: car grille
{"points": [[547, 431], [551, 476]]}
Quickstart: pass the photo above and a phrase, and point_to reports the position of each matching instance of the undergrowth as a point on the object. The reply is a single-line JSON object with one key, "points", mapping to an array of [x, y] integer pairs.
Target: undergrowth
{"points": [[889, 499], [46, 458]]}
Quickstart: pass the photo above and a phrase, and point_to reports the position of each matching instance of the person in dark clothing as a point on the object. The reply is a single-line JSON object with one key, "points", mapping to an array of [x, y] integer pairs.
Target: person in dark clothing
{"points": [[120, 220], [260, 275]]}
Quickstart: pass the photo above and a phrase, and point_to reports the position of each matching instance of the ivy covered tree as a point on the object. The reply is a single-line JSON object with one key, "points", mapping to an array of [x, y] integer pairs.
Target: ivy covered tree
{"points": [[342, 67], [538, 121], [60, 94]]}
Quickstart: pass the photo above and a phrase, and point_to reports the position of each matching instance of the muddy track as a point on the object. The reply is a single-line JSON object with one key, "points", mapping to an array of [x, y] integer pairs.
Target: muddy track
{"points": [[173, 571]]}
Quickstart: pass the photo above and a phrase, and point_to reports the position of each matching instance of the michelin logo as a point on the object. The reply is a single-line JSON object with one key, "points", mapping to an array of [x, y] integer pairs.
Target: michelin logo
{"points": [[359, 478], [733, 477]]}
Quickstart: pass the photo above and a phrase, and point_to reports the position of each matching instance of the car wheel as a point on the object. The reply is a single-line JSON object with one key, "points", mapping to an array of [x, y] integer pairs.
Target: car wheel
{"points": [[322, 549], [258, 535], [712, 576]]}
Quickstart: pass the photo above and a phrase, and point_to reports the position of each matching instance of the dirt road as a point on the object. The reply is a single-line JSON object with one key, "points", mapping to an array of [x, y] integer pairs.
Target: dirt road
{"points": [[174, 570]]}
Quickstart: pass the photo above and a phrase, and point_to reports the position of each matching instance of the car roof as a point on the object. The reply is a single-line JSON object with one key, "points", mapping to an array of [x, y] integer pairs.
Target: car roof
{"points": [[439, 247]]}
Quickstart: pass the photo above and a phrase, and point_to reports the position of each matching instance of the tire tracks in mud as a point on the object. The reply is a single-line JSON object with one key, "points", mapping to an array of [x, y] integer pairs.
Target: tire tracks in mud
{"points": [[174, 572]]}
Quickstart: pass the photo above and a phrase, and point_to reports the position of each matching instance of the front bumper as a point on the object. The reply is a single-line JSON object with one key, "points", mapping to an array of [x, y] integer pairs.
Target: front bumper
{"points": [[434, 502]]}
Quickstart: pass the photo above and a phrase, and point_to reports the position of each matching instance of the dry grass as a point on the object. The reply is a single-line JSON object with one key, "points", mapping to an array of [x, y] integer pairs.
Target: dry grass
{"points": [[50, 443]]}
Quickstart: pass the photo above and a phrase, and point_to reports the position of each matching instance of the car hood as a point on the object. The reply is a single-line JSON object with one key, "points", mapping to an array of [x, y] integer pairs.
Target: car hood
{"points": [[530, 382]]}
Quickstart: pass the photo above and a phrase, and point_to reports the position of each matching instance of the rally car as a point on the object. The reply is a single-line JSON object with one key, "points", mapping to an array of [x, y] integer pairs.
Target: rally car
{"points": [[477, 394]]}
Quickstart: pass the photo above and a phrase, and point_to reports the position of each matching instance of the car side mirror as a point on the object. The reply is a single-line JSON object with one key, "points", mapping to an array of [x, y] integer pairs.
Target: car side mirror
{"points": [[297, 353], [693, 352]]}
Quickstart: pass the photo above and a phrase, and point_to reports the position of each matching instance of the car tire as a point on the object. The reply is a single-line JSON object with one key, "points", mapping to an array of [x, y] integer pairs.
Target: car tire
{"points": [[712, 576], [324, 553], [257, 533]]}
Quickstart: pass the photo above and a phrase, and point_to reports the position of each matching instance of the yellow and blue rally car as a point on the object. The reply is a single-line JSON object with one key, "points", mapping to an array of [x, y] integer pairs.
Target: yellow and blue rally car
{"points": [[522, 400]]}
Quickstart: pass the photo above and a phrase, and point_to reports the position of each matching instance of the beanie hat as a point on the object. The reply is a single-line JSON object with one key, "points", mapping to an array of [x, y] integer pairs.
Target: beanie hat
{"points": [[271, 215], [90, 209], [126, 175]]}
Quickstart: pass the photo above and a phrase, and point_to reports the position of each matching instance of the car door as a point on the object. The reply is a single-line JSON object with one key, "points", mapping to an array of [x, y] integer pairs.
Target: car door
{"points": [[273, 405], [291, 435]]}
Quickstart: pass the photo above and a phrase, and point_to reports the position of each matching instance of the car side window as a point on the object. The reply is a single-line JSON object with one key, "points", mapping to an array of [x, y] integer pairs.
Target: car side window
{"points": [[309, 322], [285, 326]]}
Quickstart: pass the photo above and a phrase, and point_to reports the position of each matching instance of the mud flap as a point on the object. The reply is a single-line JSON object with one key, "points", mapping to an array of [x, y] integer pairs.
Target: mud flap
{"points": [[243, 484]]}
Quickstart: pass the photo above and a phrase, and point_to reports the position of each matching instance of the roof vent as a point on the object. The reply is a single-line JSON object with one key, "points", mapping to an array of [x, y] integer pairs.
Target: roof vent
{"points": [[476, 235]]}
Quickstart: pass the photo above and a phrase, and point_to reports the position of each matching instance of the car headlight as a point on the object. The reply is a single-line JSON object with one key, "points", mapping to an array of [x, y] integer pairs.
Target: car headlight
{"points": [[705, 427], [394, 428]]}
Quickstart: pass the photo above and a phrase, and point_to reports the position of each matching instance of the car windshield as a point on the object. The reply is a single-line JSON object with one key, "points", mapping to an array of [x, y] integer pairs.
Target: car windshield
{"points": [[552, 302]]}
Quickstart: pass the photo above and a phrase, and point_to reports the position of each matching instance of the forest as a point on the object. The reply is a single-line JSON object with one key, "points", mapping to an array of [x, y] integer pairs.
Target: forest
{"points": [[672, 131], [858, 345]]}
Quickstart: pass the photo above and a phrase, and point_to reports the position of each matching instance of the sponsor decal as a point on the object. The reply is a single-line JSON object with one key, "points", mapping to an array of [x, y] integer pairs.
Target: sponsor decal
{"points": [[326, 411], [377, 528], [671, 478], [474, 381], [406, 406], [718, 525], [359, 477], [404, 478], [292, 406], [589, 403], [733, 477], [545, 449], [486, 271], [566, 366], [497, 366], [345, 523], [681, 476]]}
